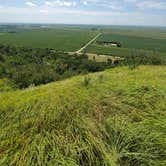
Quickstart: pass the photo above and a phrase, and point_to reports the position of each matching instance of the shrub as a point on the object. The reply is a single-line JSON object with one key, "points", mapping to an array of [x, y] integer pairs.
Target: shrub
{"points": [[34, 74], [100, 77], [86, 81]]}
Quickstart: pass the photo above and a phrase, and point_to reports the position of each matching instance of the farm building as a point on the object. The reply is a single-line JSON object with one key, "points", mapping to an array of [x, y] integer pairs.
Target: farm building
{"points": [[109, 43]]}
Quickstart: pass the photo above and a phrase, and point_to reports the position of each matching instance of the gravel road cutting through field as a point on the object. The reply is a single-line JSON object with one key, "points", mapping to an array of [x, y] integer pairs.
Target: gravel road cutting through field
{"points": [[85, 46]]}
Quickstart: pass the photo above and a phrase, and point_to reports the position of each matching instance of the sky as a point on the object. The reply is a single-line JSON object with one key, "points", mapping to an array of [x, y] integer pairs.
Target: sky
{"points": [[106, 12]]}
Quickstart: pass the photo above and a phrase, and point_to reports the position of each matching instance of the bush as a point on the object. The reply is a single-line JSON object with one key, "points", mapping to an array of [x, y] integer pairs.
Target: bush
{"points": [[100, 77], [142, 57], [34, 74], [86, 81]]}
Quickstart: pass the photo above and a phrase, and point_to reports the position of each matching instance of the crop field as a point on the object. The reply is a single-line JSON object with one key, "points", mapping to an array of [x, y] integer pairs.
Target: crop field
{"points": [[59, 39], [94, 48], [154, 33], [2, 34], [72, 39], [136, 42], [103, 58], [153, 41], [97, 49]]}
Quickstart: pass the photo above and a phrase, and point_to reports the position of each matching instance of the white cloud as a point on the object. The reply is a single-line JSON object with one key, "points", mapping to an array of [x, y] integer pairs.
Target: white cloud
{"points": [[85, 3], [102, 12], [114, 5], [68, 16], [48, 3], [147, 4], [44, 11], [151, 5], [30, 4], [69, 4], [60, 3]]}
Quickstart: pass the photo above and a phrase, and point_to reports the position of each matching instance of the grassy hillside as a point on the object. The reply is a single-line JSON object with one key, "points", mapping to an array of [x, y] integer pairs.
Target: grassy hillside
{"points": [[59, 39], [112, 118]]}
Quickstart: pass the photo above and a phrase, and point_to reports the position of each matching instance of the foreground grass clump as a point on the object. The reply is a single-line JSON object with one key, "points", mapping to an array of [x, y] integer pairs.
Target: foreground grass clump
{"points": [[116, 121]]}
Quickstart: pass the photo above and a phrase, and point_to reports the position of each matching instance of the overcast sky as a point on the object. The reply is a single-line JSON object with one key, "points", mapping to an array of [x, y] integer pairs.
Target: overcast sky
{"points": [[113, 12]]}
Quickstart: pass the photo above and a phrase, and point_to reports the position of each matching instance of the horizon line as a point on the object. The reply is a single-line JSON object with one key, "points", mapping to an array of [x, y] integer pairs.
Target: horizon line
{"points": [[46, 23]]}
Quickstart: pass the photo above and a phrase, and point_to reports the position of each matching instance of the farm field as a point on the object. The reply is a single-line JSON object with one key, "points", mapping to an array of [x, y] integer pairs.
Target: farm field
{"points": [[136, 42], [58, 39], [148, 32], [97, 49], [103, 58], [151, 41], [72, 39]]}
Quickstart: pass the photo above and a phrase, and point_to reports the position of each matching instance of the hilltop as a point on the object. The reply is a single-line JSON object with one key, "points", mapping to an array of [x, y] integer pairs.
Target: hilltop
{"points": [[116, 117]]}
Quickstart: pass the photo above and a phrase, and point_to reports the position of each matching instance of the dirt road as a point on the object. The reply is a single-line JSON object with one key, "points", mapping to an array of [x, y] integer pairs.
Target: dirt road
{"points": [[90, 42]]}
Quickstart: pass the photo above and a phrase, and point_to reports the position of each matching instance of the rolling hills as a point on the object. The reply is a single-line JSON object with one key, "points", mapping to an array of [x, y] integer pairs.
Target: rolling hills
{"points": [[112, 118]]}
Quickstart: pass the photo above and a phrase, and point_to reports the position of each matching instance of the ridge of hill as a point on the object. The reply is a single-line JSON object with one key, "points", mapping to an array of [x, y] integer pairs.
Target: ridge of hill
{"points": [[112, 118]]}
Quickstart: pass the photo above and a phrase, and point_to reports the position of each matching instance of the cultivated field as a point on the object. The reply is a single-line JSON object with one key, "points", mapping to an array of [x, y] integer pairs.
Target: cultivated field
{"points": [[58, 39], [152, 41], [72, 39], [148, 32], [136, 41]]}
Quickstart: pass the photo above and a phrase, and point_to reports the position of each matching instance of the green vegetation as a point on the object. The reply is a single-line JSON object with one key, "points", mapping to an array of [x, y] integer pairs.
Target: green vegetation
{"points": [[152, 41], [136, 42], [6, 85], [116, 119], [58, 39], [97, 49], [26, 67], [141, 56], [154, 33]]}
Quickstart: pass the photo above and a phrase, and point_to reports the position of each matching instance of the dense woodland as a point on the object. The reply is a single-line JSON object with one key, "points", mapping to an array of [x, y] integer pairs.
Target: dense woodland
{"points": [[26, 67]]}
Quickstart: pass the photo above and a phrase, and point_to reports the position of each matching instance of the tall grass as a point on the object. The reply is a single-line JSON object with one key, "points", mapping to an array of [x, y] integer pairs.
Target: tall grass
{"points": [[119, 121]]}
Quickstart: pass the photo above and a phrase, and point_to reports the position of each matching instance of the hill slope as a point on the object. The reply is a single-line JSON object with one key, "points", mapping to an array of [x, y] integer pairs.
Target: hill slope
{"points": [[112, 118]]}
